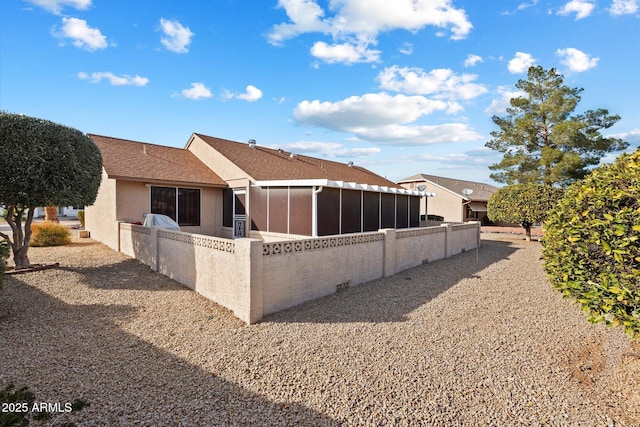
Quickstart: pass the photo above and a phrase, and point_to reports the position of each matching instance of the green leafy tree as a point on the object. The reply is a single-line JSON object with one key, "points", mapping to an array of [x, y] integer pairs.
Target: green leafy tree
{"points": [[542, 141], [524, 204], [42, 164], [591, 246]]}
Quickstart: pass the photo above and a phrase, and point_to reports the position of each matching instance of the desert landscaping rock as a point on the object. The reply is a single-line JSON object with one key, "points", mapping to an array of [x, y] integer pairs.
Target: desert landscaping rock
{"points": [[455, 342]]}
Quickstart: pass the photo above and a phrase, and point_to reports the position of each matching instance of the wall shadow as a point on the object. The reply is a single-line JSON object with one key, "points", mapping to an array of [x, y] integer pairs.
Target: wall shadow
{"points": [[392, 298], [64, 352], [129, 274]]}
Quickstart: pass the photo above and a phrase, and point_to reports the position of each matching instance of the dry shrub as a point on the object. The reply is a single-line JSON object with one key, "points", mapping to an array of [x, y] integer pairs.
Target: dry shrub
{"points": [[50, 234]]}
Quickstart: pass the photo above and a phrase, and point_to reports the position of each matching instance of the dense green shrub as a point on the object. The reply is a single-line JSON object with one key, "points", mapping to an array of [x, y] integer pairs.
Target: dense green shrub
{"points": [[592, 244], [81, 218], [50, 234], [524, 204], [4, 254]]}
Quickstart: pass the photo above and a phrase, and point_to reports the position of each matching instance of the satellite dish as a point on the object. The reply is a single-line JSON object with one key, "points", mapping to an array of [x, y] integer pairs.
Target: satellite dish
{"points": [[421, 187], [467, 192]]}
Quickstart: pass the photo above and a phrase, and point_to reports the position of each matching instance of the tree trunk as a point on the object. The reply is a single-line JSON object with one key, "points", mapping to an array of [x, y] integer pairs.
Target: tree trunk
{"points": [[527, 231], [51, 213], [21, 237]]}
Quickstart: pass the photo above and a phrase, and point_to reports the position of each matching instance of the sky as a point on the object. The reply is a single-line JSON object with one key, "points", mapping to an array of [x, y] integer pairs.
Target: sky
{"points": [[399, 87]]}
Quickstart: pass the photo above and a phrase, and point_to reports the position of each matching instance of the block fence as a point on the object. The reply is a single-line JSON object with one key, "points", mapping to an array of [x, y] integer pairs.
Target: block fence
{"points": [[255, 278]]}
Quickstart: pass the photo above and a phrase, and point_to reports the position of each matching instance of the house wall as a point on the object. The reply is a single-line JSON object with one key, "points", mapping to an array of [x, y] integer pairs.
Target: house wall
{"points": [[254, 278], [446, 205], [129, 201], [215, 161], [100, 218]]}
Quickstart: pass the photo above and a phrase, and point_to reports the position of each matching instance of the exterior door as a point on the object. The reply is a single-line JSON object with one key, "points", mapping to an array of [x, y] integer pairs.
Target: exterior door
{"points": [[239, 214]]}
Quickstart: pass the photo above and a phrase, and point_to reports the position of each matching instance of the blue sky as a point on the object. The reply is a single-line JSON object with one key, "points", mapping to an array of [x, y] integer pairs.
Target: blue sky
{"points": [[400, 87]]}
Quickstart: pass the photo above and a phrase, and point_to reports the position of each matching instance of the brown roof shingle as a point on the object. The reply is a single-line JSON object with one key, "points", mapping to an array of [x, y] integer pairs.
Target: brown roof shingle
{"points": [[132, 160], [264, 164]]}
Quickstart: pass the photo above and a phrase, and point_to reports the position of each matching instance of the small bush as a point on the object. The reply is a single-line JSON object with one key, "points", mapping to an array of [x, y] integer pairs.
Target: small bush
{"points": [[435, 218], [592, 244], [524, 204], [50, 234], [81, 218], [4, 254]]}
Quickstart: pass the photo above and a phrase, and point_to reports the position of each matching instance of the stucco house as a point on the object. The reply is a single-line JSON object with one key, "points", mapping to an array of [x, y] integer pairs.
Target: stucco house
{"points": [[452, 203], [230, 189]]}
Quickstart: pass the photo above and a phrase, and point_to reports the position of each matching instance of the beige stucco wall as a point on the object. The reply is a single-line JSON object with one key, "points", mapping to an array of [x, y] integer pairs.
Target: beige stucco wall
{"points": [[446, 205], [100, 218], [416, 247], [295, 275], [464, 237], [216, 161], [138, 242], [255, 278], [134, 200]]}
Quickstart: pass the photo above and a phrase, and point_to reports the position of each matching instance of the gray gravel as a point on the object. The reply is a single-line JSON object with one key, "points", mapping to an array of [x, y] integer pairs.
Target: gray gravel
{"points": [[455, 342]]}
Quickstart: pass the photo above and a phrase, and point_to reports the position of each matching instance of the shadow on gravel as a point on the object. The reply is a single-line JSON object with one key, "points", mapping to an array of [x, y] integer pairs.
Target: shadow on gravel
{"points": [[391, 299], [128, 274], [64, 352]]}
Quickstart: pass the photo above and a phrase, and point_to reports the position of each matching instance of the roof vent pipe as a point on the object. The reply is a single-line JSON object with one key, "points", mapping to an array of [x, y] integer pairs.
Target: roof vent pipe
{"points": [[252, 143]]}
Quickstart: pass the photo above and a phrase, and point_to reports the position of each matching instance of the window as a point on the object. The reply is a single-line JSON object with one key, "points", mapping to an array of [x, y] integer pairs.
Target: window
{"points": [[180, 204]]}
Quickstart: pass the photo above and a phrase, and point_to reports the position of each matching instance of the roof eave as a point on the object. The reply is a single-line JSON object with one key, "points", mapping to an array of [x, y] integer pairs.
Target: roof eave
{"points": [[341, 184]]}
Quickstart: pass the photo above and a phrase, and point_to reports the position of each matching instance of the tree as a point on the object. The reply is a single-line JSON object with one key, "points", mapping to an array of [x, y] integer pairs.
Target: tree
{"points": [[541, 141], [524, 204], [591, 246], [42, 164]]}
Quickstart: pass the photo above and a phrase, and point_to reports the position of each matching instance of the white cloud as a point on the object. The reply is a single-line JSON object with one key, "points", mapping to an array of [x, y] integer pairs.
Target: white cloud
{"points": [[406, 48], [196, 91], [383, 118], [582, 8], [623, 7], [355, 24], [441, 82], [373, 109], [500, 105], [305, 16], [176, 36], [632, 137], [328, 149], [346, 53], [576, 60], [520, 63], [523, 6], [472, 60], [420, 134], [360, 17], [477, 157], [251, 94], [56, 6], [82, 36], [124, 80]]}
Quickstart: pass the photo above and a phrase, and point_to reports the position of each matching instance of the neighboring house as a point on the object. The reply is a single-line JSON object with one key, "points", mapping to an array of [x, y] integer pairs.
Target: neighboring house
{"points": [[70, 211], [451, 202], [230, 189]]}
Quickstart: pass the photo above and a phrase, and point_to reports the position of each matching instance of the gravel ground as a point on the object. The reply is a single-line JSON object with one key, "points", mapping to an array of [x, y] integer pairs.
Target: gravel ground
{"points": [[455, 342]]}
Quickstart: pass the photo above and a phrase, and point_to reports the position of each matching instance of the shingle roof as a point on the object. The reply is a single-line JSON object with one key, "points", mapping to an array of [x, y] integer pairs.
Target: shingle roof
{"points": [[264, 164], [132, 160], [481, 191]]}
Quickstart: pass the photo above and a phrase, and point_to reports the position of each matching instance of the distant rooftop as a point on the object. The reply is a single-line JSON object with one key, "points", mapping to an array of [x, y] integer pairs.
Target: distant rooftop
{"points": [[481, 191]]}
